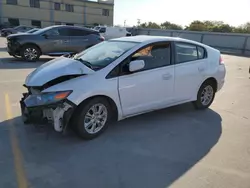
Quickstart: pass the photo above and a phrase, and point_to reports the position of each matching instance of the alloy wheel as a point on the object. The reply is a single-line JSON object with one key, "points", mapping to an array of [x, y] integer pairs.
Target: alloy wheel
{"points": [[30, 53], [207, 95], [95, 118]]}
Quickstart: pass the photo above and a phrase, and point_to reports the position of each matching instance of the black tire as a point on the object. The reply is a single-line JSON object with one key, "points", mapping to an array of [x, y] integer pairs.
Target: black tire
{"points": [[34, 49], [198, 104], [79, 118]]}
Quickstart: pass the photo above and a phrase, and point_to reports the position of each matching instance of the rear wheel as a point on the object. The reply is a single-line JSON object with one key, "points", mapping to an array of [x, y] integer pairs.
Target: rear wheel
{"points": [[205, 95], [93, 118], [30, 53]]}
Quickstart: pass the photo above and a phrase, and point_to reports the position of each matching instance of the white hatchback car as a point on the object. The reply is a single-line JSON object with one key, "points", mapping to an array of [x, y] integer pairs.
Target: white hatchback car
{"points": [[120, 78]]}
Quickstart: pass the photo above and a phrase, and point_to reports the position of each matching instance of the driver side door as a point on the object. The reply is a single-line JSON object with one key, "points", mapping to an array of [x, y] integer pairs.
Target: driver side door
{"points": [[150, 88]]}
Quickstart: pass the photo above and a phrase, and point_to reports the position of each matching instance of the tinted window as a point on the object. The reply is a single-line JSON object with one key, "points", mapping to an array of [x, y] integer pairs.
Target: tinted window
{"points": [[154, 56], [185, 52], [78, 32], [64, 31]]}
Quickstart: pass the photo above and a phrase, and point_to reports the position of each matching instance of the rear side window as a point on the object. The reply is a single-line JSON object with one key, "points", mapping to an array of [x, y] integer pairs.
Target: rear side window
{"points": [[78, 32], [186, 52]]}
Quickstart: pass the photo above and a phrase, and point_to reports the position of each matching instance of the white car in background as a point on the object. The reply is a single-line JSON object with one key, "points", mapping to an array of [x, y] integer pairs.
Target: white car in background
{"points": [[120, 78], [112, 32]]}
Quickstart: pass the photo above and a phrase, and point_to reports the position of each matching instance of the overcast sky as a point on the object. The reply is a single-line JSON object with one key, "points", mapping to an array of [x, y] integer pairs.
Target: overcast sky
{"points": [[234, 12]]}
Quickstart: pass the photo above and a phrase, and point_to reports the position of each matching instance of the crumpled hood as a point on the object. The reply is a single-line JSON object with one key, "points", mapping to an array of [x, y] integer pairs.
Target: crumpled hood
{"points": [[54, 69]]}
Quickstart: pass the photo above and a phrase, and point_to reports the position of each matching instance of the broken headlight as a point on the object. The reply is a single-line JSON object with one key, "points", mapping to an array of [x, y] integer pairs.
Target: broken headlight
{"points": [[46, 98]]}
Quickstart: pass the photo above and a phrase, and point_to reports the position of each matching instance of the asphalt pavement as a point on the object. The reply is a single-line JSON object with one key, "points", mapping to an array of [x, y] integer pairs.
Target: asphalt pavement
{"points": [[177, 147]]}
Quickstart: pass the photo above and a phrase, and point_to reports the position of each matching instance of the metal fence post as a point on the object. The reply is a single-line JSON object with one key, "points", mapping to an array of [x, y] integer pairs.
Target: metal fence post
{"points": [[244, 45], [202, 37]]}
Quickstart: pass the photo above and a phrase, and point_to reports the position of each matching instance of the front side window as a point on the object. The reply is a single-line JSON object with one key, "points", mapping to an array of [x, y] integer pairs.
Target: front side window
{"points": [[185, 52], [154, 56], [104, 53], [52, 32]]}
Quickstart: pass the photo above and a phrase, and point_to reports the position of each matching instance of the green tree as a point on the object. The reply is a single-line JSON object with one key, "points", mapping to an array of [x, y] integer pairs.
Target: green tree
{"points": [[169, 25], [151, 25], [197, 26]]}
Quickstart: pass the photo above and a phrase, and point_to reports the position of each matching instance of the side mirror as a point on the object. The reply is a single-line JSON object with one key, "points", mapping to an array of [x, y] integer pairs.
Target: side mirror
{"points": [[136, 65]]}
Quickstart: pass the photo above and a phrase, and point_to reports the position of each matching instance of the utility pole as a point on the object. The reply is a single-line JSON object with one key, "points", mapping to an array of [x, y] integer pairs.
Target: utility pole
{"points": [[138, 22]]}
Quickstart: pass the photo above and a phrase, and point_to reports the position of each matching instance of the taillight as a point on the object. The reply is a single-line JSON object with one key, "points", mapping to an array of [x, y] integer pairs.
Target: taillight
{"points": [[221, 62], [102, 38]]}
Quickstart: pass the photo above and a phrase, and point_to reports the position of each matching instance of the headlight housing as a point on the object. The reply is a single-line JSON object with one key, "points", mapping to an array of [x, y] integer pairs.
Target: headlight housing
{"points": [[46, 98]]}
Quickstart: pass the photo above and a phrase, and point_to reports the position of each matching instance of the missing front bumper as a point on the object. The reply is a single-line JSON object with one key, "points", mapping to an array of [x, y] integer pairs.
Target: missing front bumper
{"points": [[58, 114]]}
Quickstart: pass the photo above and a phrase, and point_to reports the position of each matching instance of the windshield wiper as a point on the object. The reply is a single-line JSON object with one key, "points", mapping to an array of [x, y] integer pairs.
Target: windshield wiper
{"points": [[88, 64]]}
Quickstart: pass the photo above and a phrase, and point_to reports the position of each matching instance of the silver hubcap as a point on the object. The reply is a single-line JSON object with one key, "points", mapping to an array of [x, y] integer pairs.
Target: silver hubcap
{"points": [[207, 95], [30, 53], [95, 118]]}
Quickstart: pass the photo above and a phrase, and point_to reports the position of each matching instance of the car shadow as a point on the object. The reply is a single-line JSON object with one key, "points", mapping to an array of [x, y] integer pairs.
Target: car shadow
{"points": [[151, 150], [18, 63]]}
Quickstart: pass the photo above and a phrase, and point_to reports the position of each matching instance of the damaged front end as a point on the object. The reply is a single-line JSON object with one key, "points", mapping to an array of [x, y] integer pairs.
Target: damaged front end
{"points": [[53, 107]]}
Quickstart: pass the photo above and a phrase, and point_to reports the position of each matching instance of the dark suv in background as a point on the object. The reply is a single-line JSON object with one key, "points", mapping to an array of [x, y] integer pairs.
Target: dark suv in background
{"points": [[52, 41], [8, 31]]}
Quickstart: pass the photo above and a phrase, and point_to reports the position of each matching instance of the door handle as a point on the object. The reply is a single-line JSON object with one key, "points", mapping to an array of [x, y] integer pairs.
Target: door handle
{"points": [[167, 76], [201, 69]]}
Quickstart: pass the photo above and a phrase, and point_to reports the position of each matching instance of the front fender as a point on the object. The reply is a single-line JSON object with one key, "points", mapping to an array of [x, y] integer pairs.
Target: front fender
{"points": [[84, 88]]}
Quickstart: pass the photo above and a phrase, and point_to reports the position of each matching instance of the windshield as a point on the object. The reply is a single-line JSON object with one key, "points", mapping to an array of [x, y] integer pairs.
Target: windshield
{"points": [[104, 53], [97, 28], [17, 27], [32, 30], [40, 31]]}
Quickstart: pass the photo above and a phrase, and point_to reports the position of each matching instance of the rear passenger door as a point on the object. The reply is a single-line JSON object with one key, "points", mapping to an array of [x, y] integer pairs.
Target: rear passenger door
{"points": [[191, 65], [81, 39]]}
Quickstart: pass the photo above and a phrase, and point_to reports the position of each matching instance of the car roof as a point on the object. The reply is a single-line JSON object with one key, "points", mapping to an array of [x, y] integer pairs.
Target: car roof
{"points": [[151, 39], [71, 26]]}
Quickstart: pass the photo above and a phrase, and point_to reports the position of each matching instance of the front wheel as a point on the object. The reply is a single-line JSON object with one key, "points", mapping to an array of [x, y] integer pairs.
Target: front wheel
{"points": [[93, 118], [205, 96], [30, 53]]}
